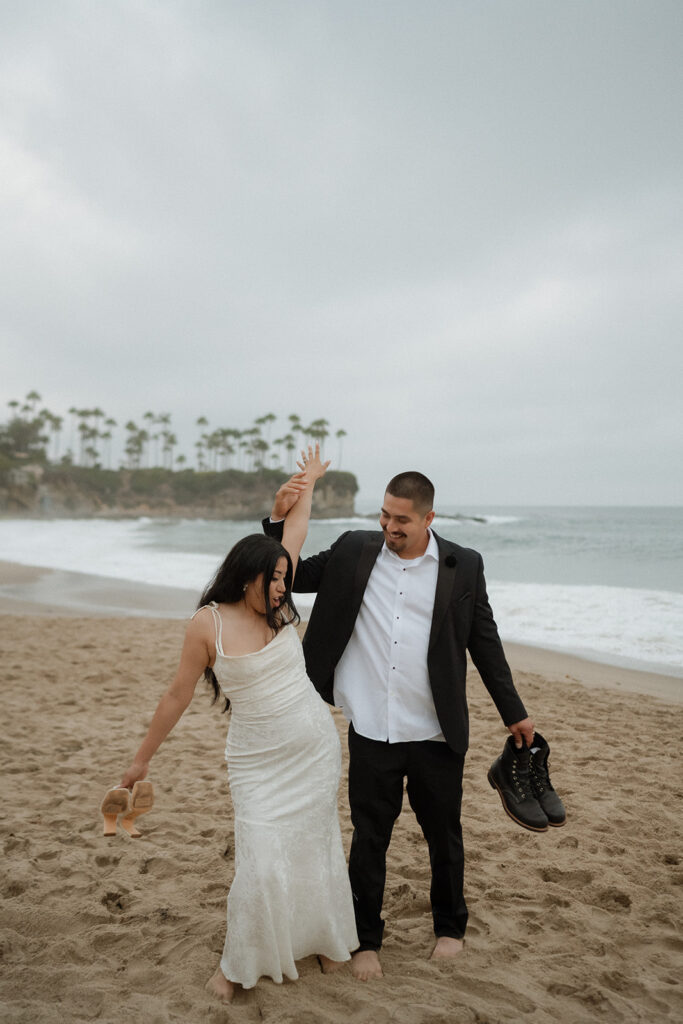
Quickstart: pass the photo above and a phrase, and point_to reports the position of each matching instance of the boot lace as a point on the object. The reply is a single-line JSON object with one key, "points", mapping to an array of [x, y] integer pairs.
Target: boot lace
{"points": [[522, 780], [540, 777]]}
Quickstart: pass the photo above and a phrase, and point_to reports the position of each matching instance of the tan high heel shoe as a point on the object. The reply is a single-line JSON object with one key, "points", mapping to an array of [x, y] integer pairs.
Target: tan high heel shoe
{"points": [[116, 801], [141, 801]]}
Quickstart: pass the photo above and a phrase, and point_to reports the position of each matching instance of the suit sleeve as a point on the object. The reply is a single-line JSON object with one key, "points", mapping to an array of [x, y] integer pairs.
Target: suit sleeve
{"points": [[487, 653], [273, 529], [309, 571]]}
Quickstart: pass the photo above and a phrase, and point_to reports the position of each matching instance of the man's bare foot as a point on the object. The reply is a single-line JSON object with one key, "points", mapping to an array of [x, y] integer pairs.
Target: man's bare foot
{"points": [[218, 985], [446, 948], [328, 966], [365, 965]]}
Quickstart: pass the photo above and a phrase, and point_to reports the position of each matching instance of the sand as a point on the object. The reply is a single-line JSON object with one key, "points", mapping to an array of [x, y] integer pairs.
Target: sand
{"points": [[578, 924]]}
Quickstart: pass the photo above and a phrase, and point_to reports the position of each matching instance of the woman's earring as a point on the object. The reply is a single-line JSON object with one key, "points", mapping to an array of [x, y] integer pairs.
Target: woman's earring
{"points": [[244, 587]]}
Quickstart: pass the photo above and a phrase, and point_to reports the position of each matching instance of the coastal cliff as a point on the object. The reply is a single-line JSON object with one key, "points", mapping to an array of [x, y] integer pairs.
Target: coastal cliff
{"points": [[77, 492]]}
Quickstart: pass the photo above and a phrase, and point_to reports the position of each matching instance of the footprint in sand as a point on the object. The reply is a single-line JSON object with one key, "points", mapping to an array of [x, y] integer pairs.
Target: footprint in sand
{"points": [[15, 843], [107, 861], [158, 867], [613, 899], [577, 877], [15, 888], [105, 940], [115, 902]]}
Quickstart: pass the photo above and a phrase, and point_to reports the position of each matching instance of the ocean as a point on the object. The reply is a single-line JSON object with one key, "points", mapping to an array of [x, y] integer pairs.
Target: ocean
{"points": [[604, 583]]}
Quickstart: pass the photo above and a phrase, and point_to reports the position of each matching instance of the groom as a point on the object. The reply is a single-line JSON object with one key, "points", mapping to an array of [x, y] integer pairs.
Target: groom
{"points": [[395, 613]]}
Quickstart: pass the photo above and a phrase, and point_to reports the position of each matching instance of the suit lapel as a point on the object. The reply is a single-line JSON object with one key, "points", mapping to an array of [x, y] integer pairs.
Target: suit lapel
{"points": [[445, 582], [366, 561]]}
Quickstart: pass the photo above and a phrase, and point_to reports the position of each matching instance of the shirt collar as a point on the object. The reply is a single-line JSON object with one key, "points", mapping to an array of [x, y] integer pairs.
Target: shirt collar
{"points": [[432, 551]]}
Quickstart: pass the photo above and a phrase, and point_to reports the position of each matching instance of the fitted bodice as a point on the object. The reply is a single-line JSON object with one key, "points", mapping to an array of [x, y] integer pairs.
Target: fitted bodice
{"points": [[267, 682]]}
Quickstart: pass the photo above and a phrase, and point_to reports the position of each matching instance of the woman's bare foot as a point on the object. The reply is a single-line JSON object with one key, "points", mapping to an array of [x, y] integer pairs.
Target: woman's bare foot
{"points": [[365, 965], [446, 948], [328, 966], [218, 985]]}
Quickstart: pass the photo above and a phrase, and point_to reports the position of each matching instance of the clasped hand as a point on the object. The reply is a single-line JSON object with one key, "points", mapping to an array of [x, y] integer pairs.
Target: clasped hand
{"points": [[312, 468]]}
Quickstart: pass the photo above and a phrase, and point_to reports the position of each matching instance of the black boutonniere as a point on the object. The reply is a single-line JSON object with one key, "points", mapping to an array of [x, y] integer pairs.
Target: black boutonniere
{"points": [[450, 561]]}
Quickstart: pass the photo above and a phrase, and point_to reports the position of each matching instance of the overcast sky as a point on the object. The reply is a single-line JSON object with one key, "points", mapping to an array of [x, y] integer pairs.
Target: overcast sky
{"points": [[453, 229]]}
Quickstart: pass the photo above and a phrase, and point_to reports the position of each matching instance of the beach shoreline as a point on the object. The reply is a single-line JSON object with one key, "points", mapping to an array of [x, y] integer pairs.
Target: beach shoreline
{"points": [[37, 591]]}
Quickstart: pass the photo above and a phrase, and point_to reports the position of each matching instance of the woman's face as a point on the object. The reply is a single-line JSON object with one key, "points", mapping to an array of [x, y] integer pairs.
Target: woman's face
{"points": [[276, 589]]}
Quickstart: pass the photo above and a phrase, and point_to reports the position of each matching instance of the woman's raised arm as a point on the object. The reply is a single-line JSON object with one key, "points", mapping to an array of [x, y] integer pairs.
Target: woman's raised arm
{"points": [[296, 523]]}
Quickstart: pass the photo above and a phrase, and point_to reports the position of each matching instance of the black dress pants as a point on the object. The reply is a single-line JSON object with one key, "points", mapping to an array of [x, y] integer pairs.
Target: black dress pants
{"points": [[376, 773]]}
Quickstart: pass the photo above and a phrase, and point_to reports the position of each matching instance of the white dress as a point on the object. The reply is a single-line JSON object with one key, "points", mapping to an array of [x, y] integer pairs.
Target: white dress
{"points": [[290, 896]]}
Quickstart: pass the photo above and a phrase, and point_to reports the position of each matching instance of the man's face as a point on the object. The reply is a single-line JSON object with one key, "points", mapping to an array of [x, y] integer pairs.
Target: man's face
{"points": [[404, 527]]}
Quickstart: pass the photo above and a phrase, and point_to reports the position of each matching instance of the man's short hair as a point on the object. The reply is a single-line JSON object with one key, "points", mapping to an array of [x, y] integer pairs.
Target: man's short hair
{"points": [[415, 487]]}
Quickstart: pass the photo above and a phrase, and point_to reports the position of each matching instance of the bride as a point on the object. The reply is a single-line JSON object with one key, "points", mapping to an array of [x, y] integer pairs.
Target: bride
{"points": [[290, 896]]}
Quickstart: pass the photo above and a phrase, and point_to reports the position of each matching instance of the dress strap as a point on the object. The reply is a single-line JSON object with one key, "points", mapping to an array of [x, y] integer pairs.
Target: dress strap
{"points": [[218, 624]]}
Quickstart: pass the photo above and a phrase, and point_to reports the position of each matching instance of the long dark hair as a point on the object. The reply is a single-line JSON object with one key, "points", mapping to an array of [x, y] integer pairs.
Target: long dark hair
{"points": [[249, 557]]}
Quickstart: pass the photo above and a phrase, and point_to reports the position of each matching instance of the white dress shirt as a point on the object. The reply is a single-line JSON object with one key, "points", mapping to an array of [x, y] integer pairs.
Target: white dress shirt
{"points": [[381, 681]]}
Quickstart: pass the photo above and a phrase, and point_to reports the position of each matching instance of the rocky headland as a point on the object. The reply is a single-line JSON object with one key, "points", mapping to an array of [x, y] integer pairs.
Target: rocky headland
{"points": [[78, 492]]}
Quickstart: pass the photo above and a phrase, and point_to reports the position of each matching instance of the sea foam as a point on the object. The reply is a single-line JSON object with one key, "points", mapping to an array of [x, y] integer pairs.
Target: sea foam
{"points": [[619, 624], [624, 625]]}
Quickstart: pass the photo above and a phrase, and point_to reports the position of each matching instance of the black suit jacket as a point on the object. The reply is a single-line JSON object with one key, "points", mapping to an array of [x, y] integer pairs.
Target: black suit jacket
{"points": [[462, 620]]}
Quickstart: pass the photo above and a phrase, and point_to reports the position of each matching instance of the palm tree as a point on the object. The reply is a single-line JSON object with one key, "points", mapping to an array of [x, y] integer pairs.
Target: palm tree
{"points": [[163, 420], [83, 415], [268, 420], [56, 423], [170, 441], [132, 446], [201, 451], [82, 430], [245, 448], [143, 438], [340, 435], [224, 449], [106, 436], [318, 431], [234, 435], [91, 455], [290, 445], [32, 400], [259, 447], [92, 435], [97, 415], [276, 457], [200, 445], [73, 413], [212, 446], [151, 418]]}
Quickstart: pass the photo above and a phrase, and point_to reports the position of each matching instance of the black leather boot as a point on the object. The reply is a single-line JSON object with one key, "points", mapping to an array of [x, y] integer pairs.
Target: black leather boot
{"points": [[541, 784], [510, 774]]}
